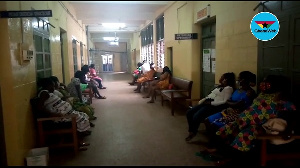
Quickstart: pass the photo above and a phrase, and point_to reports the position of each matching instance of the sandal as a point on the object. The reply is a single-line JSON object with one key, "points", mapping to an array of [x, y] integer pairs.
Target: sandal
{"points": [[211, 150], [82, 148], [101, 97], [190, 137], [103, 88], [85, 133], [208, 156], [94, 118], [81, 144], [92, 124], [223, 162]]}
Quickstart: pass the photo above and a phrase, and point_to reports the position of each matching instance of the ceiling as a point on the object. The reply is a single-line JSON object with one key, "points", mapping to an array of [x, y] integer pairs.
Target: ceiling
{"points": [[133, 13]]}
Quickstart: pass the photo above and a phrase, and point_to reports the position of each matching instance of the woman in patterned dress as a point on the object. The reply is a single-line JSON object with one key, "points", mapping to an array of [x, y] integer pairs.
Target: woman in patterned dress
{"points": [[241, 134], [161, 84], [72, 94], [55, 106], [237, 139]]}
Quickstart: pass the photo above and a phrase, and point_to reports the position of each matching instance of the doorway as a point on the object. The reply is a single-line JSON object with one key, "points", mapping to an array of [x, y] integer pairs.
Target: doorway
{"points": [[170, 58], [107, 63], [134, 61], [208, 58]]}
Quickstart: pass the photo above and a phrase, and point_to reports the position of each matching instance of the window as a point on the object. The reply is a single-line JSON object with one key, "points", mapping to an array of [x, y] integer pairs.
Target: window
{"points": [[160, 45], [81, 53], [160, 28], [42, 48], [147, 44], [74, 46]]}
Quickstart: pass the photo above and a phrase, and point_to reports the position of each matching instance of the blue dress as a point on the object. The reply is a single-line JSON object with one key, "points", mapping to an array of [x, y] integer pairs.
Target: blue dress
{"points": [[235, 97]]}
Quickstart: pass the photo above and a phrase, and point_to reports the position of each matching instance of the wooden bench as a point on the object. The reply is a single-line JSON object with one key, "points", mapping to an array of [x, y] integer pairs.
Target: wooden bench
{"points": [[55, 135], [146, 84], [88, 93], [269, 152], [181, 90]]}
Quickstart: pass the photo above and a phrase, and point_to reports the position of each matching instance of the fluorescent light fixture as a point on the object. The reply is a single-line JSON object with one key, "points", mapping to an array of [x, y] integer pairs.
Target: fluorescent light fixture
{"points": [[73, 38], [111, 38], [114, 43], [114, 25]]}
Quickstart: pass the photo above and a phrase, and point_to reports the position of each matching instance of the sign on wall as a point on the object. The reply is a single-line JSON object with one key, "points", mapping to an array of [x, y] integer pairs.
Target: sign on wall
{"points": [[206, 60], [203, 13], [213, 60], [186, 36], [26, 13]]}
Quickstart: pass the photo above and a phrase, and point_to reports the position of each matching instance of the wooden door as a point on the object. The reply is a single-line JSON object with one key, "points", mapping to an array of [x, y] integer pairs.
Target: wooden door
{"points": [[3, 161], [208, 42], [281, 55]]}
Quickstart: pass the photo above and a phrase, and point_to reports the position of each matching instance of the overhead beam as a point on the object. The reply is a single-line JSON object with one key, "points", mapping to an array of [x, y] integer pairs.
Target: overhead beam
{"points": [[124, 2]]}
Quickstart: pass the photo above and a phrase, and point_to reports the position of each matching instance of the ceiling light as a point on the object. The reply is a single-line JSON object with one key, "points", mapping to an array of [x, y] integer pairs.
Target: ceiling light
{"points": [[111, 38], [114, 25], [114, 43]]}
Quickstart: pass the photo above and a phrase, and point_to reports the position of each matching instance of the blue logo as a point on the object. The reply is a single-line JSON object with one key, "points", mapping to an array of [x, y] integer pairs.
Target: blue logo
{"points": [[264, 26]]}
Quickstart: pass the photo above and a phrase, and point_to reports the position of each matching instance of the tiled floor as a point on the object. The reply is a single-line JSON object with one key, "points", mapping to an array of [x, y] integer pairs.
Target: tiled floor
{"points": [[131, 132]]}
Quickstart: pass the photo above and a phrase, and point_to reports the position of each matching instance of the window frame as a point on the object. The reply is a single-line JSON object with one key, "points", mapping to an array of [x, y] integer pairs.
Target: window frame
{"points": [[160, 50], [74, 49], [42, 32], [147, 43]]}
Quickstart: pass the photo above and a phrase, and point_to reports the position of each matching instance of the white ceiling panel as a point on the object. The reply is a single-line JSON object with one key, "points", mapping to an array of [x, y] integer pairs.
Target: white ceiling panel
{"points": [[132, 13]]}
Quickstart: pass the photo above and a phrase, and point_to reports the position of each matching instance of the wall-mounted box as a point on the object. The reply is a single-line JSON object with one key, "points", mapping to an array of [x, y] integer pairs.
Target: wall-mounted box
{"points": [[27, 55]]}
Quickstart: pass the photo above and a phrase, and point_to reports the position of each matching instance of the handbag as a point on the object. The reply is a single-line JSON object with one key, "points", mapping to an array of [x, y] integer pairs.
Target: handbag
{"points": [[275, 126]]}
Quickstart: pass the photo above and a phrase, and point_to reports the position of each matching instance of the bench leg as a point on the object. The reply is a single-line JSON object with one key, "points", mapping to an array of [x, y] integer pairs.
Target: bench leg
{"points": [[41, 134], [91, 95], [263, 153], [75, 137], [172, 107]]}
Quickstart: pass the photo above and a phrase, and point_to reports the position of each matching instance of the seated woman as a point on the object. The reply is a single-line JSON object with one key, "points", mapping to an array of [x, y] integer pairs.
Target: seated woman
{"points": [[76, 88], [85, 84], [241, 134], [56, 107], [145, 77], [136, 73], [76, 103], [93, 75], [162, 83], [240, 100], [211, 104]]}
